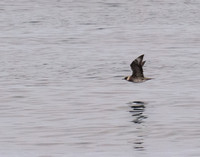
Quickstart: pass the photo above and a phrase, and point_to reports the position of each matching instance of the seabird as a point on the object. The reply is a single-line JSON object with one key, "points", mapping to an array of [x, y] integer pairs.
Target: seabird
{"points": [[137, 75]]}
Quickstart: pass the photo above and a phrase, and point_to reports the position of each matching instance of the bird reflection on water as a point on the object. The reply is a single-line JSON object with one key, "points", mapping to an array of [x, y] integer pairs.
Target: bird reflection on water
{"points": [[137, 111]]}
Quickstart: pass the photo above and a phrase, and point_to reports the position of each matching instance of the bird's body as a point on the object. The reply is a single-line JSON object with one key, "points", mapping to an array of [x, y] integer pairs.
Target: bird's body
{"points": [[137, 75], [137, 80]]}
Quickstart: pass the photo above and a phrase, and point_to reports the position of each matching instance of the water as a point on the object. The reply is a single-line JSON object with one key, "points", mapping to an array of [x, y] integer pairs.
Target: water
{"points": [[61, 69]]}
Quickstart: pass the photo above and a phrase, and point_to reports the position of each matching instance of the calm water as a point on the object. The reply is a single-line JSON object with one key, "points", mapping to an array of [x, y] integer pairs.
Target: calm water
{"points": [[61, 69]]}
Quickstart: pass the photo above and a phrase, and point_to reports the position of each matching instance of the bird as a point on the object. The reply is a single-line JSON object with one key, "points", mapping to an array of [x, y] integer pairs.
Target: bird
{"points": [[137, 74]]}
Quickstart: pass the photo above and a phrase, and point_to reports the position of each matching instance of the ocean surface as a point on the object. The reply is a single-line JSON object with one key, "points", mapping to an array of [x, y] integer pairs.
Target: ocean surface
{"points": [[62, 64]]}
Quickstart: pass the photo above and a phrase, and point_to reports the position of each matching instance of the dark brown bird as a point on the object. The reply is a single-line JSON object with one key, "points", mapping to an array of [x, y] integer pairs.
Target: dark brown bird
{"points": [[137, 75]]}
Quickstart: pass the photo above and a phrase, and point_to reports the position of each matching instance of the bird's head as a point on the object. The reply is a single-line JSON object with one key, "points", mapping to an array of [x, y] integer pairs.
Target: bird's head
{"points": [[125, 78]]}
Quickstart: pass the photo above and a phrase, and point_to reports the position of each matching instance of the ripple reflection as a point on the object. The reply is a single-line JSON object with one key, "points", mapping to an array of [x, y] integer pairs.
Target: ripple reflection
{"points": [[137, 110]]}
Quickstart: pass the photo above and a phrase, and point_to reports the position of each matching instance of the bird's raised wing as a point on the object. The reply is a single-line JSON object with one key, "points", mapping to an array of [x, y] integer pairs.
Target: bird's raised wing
{"points": [[136, 67]]}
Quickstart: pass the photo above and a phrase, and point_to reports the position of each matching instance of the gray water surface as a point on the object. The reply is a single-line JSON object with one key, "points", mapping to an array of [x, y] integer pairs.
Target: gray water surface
{"points": [[61, 68]]}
